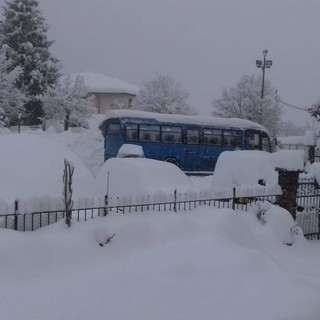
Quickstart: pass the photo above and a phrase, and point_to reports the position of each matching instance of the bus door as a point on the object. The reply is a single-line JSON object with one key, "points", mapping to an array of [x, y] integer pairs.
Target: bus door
{"points": [[191, 158], [113, 139]]}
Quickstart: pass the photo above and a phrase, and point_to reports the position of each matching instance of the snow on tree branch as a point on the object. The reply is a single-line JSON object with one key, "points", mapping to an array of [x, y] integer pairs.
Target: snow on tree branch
{"points": [[163, 95], [244, 101]]}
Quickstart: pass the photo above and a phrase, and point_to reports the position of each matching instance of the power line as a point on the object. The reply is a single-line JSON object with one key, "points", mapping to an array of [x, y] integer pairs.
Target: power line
{"points": [[290, 105]]}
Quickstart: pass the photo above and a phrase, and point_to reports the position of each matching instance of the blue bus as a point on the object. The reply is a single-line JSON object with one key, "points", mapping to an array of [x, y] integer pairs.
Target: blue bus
{"points": [[193, 143]]}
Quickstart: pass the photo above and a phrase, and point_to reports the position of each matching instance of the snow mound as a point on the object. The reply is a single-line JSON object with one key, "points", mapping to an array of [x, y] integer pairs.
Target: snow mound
{"points": [[32, 165], [130, 151], [236, 168], [278, 222], [141, 176], [292, 160]]}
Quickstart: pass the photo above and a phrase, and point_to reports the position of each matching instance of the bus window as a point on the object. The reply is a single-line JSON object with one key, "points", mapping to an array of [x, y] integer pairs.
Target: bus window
{"points": [[171, 134], [113, 129], [232, 138], [131, 132], [149, 133], [212, 137], [252, 140], [192, 136], [265, 143]]}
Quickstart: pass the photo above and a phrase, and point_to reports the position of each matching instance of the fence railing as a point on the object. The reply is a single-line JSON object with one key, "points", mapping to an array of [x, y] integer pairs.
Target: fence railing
{"points": [[36, 220], [308, 210]]}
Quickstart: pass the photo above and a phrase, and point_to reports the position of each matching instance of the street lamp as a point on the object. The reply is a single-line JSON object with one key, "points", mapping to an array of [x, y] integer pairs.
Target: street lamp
{"points": [[263, 65]]}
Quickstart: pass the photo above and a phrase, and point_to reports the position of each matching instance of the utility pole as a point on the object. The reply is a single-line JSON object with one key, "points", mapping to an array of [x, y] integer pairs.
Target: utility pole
{"points": [[263, 64]]}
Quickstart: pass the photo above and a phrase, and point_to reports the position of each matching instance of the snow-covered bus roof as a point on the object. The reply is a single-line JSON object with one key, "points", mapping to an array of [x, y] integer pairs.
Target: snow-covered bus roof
{"points": [[234, 123]]}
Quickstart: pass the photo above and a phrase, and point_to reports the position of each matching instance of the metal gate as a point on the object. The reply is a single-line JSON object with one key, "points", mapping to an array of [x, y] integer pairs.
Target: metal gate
{"points": [[308, 208]]}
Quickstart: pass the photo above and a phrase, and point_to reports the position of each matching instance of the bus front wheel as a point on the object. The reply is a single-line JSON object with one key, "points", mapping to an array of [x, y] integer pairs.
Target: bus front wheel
{"points": [[173, 161]]}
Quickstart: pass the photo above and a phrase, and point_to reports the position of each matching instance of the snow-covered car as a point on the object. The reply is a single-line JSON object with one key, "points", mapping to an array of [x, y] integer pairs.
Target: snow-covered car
{"points": [[130, 151]]}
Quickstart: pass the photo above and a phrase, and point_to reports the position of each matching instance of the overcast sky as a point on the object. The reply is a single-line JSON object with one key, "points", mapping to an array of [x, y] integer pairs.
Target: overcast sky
{"points": [[203, 44]]}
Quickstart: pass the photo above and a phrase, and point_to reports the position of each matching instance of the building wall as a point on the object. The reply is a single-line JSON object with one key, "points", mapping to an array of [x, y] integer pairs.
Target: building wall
{"points": [[107, 101]]}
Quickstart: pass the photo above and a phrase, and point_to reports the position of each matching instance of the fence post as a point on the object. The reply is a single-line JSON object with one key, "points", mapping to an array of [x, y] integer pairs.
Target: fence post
{"points": [[106, 202], [175, 200], [106, 197], [16, 214], [234, 198]]}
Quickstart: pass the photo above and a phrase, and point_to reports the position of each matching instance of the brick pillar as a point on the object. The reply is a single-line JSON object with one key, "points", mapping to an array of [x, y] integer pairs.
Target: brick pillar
{"points": [[311, 152], [288, 181]]}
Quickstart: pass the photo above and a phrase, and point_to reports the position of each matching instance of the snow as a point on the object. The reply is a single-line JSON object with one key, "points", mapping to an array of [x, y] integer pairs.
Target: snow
{"points": [[100, 83], [174, 118], [309, 139], [34, 166], [291, 160], [235, 168], [142, 177], [244, 169], [203, 264], [207, 263], [314, 171], [130, 150]]}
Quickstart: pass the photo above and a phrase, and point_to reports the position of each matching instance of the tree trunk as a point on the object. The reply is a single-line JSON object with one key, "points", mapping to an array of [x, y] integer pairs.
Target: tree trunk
{"points": [[66, 122]]}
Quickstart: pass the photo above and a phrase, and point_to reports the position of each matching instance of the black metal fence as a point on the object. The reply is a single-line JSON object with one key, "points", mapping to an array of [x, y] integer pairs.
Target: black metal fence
{"points": [[36, 220], [308, 210]]}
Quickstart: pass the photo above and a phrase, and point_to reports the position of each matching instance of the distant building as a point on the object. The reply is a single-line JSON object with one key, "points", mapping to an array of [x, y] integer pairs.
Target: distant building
{"points": [[106, 92]]}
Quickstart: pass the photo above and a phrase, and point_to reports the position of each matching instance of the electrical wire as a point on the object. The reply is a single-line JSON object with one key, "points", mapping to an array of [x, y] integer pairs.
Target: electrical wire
{"points": [[290, 105]]}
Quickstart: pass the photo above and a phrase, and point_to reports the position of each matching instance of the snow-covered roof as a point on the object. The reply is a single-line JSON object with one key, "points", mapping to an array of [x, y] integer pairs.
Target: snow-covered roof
{"points": [[100, 83], [175, 118], [309, 139]]}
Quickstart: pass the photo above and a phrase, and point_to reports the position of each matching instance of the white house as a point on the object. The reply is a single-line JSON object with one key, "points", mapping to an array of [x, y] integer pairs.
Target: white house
{"points": [[107, 92]]}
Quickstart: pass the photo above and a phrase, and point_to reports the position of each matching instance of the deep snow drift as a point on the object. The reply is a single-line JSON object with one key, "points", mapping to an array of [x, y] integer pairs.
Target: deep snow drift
{"points": [[204, 264], [207, 263]]}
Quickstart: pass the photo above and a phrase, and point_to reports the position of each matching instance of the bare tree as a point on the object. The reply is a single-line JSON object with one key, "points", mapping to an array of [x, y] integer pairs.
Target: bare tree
{"points": [[66, 101], [67, 190], [244, 101], [163, 95], [289, 128]]}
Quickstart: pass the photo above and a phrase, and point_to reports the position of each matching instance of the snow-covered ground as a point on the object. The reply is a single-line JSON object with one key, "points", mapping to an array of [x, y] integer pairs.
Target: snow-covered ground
{"points": [[204, 264], [207, 263]]}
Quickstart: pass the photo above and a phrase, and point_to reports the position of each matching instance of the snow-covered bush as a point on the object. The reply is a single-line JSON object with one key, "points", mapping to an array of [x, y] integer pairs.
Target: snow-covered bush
{"points": [[277, 221]]}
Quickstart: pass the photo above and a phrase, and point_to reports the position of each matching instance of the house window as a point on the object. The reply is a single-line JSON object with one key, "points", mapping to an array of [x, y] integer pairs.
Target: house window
{"points": [[130, 103]]}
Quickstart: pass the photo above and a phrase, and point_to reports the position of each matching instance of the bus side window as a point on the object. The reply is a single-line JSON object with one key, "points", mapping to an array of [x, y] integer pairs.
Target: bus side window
{"points": [[131, 132], [149, 132], [232, 138], [171, 134], [192, 136], [212, 137]]}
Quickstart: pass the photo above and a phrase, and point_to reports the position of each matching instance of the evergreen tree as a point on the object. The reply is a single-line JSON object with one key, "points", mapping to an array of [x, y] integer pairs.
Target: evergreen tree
{"points": [[11, 99], [24, 34], [3, 118]]}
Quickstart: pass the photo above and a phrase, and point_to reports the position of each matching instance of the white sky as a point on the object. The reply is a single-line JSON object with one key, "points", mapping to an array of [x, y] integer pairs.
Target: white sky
{"points": [[205, 45]]}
